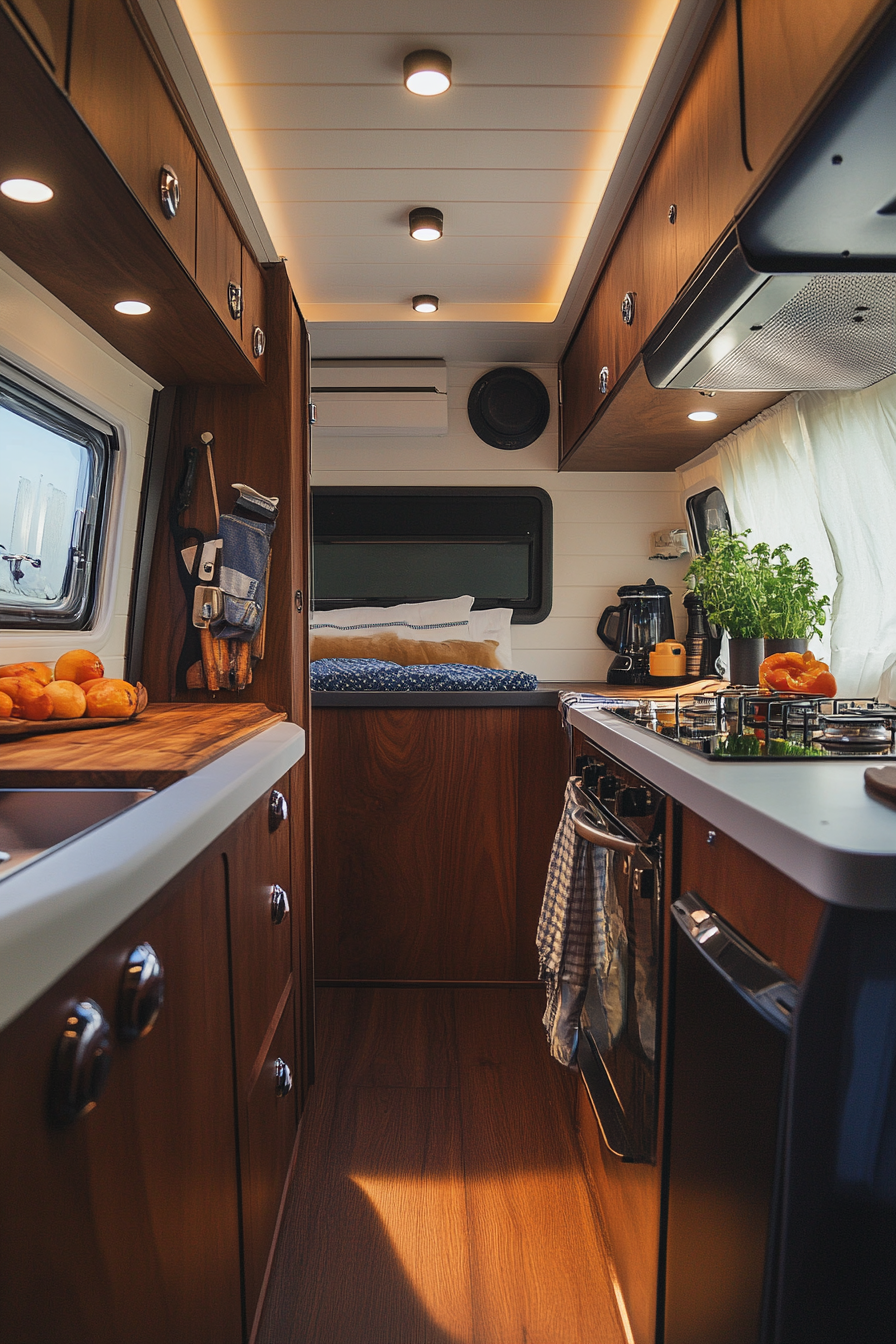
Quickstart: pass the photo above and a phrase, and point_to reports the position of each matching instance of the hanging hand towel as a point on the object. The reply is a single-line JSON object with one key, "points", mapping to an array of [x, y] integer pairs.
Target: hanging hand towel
{"points": [[572, 932]]}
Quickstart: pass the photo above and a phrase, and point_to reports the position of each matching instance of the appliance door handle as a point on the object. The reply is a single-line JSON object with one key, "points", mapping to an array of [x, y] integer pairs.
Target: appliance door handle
{"points": [[587, 830]]}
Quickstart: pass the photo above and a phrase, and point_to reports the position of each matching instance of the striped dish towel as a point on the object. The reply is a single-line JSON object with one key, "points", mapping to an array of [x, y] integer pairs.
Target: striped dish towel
{"points": [[571, 936]]}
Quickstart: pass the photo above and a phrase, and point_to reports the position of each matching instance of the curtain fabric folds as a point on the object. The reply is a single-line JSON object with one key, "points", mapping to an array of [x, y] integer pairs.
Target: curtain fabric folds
{"points": [[819, 472]]}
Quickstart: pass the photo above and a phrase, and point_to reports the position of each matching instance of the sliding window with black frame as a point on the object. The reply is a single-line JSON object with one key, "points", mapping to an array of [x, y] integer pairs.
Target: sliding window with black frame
{"points": [[378, 546]]}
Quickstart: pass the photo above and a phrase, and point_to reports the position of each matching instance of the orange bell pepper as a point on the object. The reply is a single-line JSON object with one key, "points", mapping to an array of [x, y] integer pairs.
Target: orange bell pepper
{"points": [[802, 673]]}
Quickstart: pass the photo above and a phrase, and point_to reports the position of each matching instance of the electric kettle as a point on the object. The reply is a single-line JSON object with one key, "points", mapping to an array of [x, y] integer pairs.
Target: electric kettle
{"points": [[642, 620]]}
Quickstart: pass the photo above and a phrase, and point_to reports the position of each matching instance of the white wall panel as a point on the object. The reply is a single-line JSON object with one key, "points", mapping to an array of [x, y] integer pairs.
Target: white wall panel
{"points": [[602, 520]]}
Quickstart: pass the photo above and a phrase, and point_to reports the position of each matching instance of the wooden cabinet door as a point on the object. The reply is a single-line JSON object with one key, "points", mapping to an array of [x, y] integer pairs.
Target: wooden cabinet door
{"points": [[261, 949], [579, 375], [46, 24], [117, 89], [790, 51], [253, 319], [123, 1225], [658, 280], [219, 254], [269, 1120]]}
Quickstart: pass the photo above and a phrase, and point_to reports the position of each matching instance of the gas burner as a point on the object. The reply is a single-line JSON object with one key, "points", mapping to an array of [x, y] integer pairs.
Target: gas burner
{"points": [[864, 731]]}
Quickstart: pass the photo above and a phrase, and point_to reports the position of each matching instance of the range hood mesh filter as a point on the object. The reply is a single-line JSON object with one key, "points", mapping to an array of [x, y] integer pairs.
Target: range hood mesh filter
{"points": [[815, 344]]}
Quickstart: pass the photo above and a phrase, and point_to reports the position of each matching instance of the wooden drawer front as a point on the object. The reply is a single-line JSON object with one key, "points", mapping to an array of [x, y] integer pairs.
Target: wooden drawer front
{"points": [[253, 308], [269, 1126], [261, 951], [116, 88], [219, 253], [772, 912]]}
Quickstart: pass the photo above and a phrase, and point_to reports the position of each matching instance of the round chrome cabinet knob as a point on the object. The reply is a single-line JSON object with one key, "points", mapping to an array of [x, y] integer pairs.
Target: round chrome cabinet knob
{"points": [[141, 994], [258, 342], [603, 381], [81, 1066], [279, 905], [278, 809], [628, 308], [169, 191], [235, 300], [283, 1078]]}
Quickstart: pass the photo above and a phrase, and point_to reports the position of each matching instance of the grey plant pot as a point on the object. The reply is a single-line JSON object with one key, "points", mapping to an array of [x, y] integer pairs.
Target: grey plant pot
{"points": [[785, 646], [744, 657]]}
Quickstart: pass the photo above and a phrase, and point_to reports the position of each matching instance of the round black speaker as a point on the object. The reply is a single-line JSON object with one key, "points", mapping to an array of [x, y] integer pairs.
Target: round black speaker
{"points": [[509, 408]]}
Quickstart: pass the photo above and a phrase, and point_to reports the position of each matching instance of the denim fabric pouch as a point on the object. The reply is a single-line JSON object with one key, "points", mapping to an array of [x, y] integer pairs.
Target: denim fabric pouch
{"points": [[244, 558]]}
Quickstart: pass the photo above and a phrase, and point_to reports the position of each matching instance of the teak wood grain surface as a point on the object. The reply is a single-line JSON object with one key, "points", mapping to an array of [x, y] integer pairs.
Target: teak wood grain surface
{"points": [[439, 1195], [166, 743]]}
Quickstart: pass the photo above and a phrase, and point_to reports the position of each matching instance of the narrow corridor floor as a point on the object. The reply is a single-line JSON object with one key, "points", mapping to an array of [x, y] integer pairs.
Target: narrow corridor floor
{"points": [[439, 1196]]}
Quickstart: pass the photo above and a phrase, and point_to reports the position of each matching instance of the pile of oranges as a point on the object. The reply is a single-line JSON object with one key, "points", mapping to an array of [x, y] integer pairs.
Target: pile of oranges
{"points": [[73, 689]]}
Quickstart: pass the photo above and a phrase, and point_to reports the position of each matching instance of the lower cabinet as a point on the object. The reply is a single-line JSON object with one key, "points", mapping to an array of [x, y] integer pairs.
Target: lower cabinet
{"points": [[124, 1206]]}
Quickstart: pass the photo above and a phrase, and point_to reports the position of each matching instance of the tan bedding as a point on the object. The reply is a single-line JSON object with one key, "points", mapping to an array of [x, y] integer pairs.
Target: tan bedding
{"points": [[388, 648]]}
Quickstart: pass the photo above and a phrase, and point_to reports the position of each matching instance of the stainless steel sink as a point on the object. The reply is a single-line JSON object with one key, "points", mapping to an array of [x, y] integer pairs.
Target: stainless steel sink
{"points": [[34, 821]]}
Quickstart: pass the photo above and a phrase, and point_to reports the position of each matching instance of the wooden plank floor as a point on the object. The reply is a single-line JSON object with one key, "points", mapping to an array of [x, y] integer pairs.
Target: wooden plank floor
{"points": [[439, 1196]]}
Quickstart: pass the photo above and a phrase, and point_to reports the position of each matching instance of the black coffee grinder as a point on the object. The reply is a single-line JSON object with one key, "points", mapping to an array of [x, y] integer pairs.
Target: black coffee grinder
{"points": [[641, 621]]}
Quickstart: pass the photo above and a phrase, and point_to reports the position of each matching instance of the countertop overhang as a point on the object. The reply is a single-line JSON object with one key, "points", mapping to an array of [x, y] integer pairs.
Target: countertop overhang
{"points": [[820, 827], [55, 910]]}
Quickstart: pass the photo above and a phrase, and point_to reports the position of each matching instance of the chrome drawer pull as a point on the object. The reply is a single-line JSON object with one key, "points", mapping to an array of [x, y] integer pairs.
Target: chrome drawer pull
{"points": [[283, 1076], [81, 1066], [279, 905], [278, 809], [141, 994]]}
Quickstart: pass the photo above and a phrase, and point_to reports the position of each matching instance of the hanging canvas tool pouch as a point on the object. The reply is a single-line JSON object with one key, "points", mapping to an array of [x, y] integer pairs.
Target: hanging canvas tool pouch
{"points": [[246, 537]]}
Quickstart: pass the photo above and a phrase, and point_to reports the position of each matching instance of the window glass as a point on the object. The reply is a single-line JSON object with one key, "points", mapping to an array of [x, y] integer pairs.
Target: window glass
{"points": [[708, 513], [380, 547], [53, 472]]}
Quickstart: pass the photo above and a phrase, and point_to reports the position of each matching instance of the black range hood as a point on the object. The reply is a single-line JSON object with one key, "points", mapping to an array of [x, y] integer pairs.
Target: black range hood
{"points": [[801, 293]]}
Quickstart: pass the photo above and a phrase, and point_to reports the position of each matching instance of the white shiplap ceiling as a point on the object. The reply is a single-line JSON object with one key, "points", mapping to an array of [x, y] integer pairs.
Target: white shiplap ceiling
{"points": [[518, 153]]}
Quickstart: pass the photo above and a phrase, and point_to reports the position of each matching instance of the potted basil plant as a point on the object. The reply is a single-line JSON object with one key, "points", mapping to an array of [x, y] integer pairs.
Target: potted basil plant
{"points": [[729, 581], [792, 610]]}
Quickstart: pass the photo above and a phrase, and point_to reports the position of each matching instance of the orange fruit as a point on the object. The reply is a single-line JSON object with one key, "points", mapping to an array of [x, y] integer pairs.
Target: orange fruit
{"points": [[69, 700], [28, 698], [112, 699], [5, 705], [78, 665], [38, 671]]}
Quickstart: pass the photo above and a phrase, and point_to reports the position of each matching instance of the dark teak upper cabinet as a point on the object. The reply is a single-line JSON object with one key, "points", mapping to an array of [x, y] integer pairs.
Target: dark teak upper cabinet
{"points": [[117, 90], [45, 23]]}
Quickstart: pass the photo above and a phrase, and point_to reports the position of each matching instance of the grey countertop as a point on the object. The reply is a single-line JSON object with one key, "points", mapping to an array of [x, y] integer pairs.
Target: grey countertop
{"points": [[812, 820], [54, 910]]}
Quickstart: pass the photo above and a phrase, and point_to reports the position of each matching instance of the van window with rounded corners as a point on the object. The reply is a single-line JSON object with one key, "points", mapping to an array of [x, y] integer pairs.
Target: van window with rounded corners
{"points": [[55, 466]]}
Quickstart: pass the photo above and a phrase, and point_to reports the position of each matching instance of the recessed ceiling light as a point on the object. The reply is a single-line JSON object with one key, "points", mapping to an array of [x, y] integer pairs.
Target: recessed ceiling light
{"points": [[26, 189], [425, 303], [427, 72], [133, 307], [426, 223], [702, 415]]}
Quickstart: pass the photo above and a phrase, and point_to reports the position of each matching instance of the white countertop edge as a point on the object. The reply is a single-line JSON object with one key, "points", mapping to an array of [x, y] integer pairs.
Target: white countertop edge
{"points": [[55, 910], [819, 827]]}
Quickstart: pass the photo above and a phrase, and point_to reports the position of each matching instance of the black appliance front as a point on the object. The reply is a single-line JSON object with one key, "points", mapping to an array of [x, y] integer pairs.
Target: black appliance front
{"points": [[731, 1028], [619, 1039]]}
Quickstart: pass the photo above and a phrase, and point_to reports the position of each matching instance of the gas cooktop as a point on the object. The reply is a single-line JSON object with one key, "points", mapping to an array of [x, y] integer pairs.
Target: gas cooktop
{"points": [[745, 723]]}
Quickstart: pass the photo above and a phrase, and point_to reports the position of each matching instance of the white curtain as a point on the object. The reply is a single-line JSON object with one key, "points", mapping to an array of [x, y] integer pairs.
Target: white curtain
{"points": [[818, 471]]}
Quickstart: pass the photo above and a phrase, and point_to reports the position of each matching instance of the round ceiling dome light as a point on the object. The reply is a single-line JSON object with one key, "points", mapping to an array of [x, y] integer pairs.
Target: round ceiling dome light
{"points": [[427, 72], [702, 415], [426, 223], [27, 190], [132, 307], [425, 303]]}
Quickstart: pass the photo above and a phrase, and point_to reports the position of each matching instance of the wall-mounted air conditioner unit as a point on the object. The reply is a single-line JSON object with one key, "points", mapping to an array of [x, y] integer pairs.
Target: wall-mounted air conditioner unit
{"points": [[379, 397]]}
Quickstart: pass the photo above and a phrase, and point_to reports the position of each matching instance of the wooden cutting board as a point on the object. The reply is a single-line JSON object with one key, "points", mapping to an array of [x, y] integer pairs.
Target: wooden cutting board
{"points": [[163, 745]]}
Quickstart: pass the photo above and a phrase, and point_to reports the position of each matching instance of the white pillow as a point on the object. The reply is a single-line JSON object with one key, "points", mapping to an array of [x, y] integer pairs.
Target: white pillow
{"points": [[446, 619], [494, 624]]}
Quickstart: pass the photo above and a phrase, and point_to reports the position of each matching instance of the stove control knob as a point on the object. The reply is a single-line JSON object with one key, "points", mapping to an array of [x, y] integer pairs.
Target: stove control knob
{"points": [[632, 803], [607, 787]]}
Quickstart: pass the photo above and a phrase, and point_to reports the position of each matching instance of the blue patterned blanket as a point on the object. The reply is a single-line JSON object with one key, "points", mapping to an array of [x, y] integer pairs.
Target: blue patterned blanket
{"points": [[367, 674]]}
